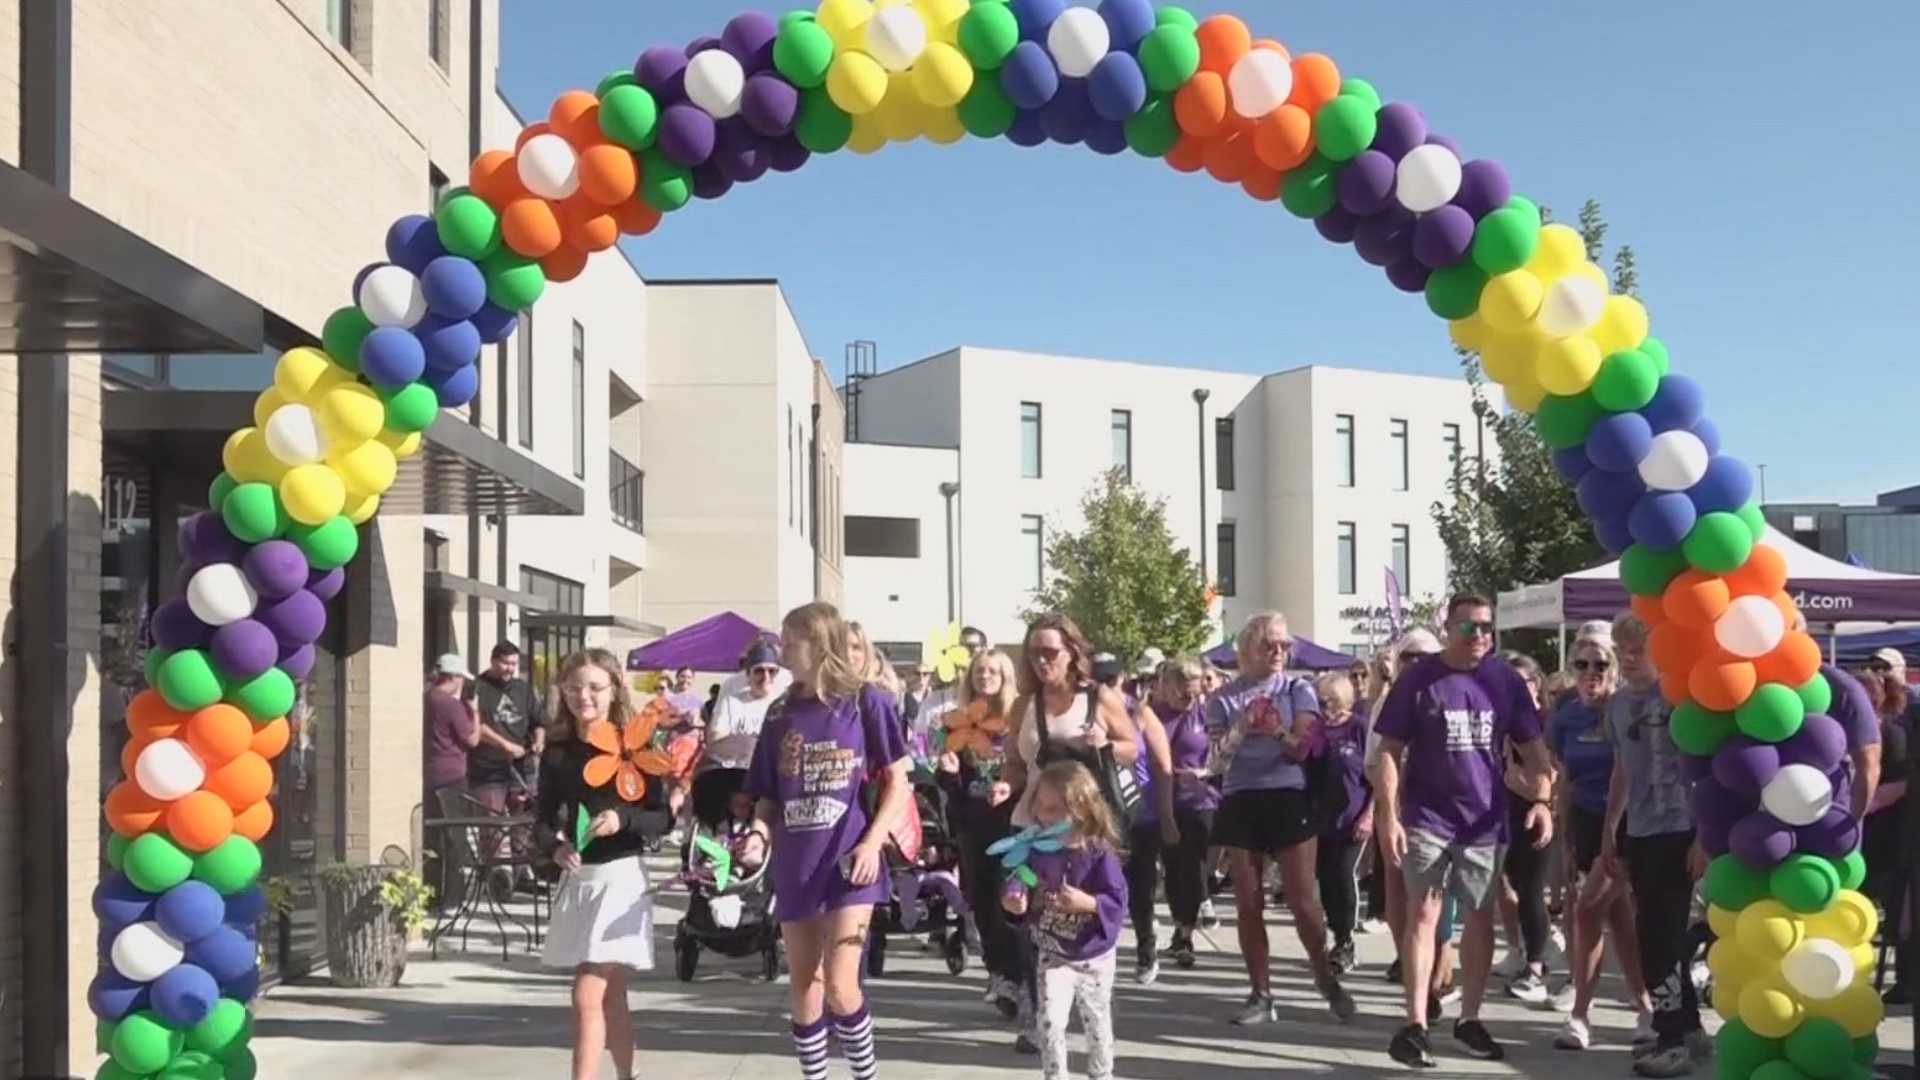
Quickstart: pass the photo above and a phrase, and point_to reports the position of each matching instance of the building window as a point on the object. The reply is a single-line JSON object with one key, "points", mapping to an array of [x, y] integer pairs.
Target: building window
{"points": [[1226, 551], [1397, 436], [883, 537], [793, 471], [438, 34], [1348, 559], [1223, 453], [1120, 423], [1343, 450], [1402, 556], [1033, 543], [1030, 440], [1450, 434], [579, 401], [340, 22], [525, 334], [549, 645], [436, 188]]}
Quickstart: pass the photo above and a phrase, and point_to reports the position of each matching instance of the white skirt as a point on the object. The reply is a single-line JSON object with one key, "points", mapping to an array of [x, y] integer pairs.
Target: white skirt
{"points": [[602, 914]]}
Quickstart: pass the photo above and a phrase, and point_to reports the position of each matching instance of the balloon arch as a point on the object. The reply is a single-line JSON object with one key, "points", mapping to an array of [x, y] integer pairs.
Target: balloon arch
{"points": [[178, 965]]}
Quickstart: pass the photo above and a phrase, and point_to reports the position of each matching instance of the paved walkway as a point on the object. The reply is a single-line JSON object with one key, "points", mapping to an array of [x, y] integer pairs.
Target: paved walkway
{"points": [[473, 1017]]}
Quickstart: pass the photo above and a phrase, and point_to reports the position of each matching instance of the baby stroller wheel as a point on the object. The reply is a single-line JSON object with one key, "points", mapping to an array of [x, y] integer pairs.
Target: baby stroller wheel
{"points": [[876, 956], [686, 955], [956, 952]]}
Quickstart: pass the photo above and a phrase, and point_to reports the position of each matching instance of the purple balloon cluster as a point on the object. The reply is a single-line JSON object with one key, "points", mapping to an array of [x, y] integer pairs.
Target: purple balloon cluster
{"points": [[443, 348], [737, 149], [1090, 111], [218, 935], [288, 619], [1725, 798]]}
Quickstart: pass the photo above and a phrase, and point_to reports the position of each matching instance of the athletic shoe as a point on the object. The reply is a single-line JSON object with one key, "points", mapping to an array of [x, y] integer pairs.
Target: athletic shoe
{"points": [[1528, 986], [1450, 996], [1479, 1042], [1181, 951], [1509, 967], [1146, 971], [1374, 926], [1644, 1038], [1338, 1000], [1436, 1009], [1393, 972], [1411, 1048], [1342, 958], [1258, 1010], [1574, 1035], [1208, 919], [1670, 1062], [1699, 1047]]}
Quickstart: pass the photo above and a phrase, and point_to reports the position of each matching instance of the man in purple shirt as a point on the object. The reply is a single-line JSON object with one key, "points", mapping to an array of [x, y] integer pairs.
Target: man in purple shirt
{"points": [[1443, 732], [450, 731]]}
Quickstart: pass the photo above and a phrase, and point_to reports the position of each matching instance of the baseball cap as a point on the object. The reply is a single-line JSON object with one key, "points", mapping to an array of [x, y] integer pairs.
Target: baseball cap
{"points": [[1417, 640], [451, 664], [1150, 662], [1893, 658], [759, 654], [1598, 630], [1106, 666]]}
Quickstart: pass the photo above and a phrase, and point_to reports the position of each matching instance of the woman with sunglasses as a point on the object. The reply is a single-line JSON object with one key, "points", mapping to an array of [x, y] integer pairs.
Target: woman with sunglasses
{"points": [[739, 715]]}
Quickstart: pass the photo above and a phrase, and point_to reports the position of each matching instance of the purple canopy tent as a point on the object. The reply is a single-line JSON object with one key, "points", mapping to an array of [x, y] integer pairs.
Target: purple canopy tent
{"points": [[712, 644], [1306, 655]]}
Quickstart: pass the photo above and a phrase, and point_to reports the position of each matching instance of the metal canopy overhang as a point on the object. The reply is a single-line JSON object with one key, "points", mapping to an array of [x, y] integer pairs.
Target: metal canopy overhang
{"points": [[460, 469], [71, 281], [444, 581], [553, 620]]}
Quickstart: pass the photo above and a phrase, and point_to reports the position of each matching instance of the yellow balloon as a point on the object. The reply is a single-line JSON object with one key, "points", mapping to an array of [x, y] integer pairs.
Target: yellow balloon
{"points": [[1857, 1008], [1721, 921], [1566, 366], [1525, 396], [264, 405], [361, 508], [1726, 997], [844, 20], [366, 468], [1850, 920], [942, 18], [1769, 1010], [298, 370], [867, 137], [403, 446], [351, 413], [1508, 358], [898, 116], [856, 82], [1560, 250], [1865, 956], [1767, 930], [1470, 333], [1729, 964], [312, 494], [1623, 325], [943, 126], [1509, 301], [247, 459], [942, 75]]}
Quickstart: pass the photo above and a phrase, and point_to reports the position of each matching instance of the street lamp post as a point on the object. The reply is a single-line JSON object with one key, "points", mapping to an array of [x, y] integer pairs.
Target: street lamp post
{"points": [[1200, 395], [947, 491]]}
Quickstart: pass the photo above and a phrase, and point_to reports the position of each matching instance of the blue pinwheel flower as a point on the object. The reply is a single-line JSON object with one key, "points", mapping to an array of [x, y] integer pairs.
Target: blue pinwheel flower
{"points": [[1032, 840]]}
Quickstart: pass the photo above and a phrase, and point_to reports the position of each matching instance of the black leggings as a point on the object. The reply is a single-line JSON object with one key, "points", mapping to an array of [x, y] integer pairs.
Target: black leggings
{"points": [[1185, 867], [1337, 868], [1527, 872], [1662, 908], [1000, 946]]}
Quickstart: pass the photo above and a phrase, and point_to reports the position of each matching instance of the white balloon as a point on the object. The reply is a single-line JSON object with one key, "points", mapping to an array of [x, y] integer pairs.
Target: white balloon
{"points": [[1819, 968], [168, 769], [1428, 177], [548, 166], [896, 36], [1259, 83], [1677, 461], [220, 594], [389, 296], [1078, 39], [143, 952], [1750, 627], [1572, 304], [715, 81], [1798, 794], [293, 435]]}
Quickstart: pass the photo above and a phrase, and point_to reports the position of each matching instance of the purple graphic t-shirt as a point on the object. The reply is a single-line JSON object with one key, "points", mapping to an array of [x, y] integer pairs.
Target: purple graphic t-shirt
{"points": [[812, 759], [1076, 936], [1456, 726], [1270, 706], [1187, 746], [1345, 748]]}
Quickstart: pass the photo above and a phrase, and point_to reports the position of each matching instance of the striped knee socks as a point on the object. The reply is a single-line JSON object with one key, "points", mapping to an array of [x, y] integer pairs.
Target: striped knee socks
{"points": [[810, 1044], [856, 1044]]}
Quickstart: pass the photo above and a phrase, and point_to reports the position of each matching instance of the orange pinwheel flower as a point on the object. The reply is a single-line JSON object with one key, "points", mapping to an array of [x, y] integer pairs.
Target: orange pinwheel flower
{"points": [[627, 756], [971, 729]]}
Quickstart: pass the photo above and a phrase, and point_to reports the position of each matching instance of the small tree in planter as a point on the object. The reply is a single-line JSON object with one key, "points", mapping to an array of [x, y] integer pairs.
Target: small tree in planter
{"points": [[276, 924], [372, 912]]}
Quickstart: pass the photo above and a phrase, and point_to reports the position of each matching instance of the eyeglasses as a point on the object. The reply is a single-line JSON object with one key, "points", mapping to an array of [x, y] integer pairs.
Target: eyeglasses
{"points": [[1276, 645], [1591, 665], [1046, 654], [1473, 628]]}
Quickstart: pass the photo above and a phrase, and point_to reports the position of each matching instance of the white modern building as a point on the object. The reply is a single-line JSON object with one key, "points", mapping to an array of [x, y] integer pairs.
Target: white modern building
{"points": [[1299, 490]]}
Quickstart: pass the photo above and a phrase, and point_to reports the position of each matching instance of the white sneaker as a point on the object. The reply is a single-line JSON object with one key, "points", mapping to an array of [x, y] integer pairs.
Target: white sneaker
{"points": [[996, 989], [1148, 973], [1671, 1062], [1208, 919], [1258, 1010], [1528, 986], [1450, 996], [1374, 926], [1574, 1035]]}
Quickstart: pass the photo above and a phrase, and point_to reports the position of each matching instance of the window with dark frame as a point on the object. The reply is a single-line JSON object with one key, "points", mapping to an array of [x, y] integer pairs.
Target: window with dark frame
{"points": [[1033, 535], [1223, 453], [1450, 434], [525, 334], [1402, 557], [882, 537], [1397, 448], [579, 401], [1030, 440], [340, 23], [1347, 559], [553, 644], [1120, 424], [438, 32], [436, 187], [1343, 450], [1226, 549]]}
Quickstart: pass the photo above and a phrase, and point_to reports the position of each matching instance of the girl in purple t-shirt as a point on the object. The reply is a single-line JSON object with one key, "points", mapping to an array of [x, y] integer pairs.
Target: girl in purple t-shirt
{"points": [[824, 742]]}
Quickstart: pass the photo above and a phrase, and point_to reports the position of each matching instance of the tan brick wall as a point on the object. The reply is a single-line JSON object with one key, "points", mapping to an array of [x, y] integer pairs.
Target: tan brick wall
{"points": [[11, 817], [84, 685], [10, 81], [384, 684]]}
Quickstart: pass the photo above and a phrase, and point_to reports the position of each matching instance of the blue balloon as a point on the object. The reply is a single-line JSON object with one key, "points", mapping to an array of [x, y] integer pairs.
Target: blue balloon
{"points": [[1609, 495], [1116, 86], [1107, 137], [244, 908], [1724, 488], [226, 953], [242, 988], [1036, 16], [190, 910], [1678, 403], [1662, 519], [185, 995], [1708, 433], [1572, 463], [449, 344], [455, 388], [412, 242], [1619, 443], [1067, 117], [1026, 130], [113, 997], [453, 287], [391, 357], [1128, 21], [495, 324], [1614, 535], [120, 903], [1029, 76]]}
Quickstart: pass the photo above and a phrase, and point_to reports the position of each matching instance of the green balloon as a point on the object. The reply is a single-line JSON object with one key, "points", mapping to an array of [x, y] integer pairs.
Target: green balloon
{"points": [[143, 1043], [1362, 89], [103, 1035], [113, 1070], [1866, 1049], [1771, 714], [1853, 870], [412, 408], [1732, 884], [614, 79], [630, 116], [1699, 731], [1776, 1070], [188, 680], [267, 695], [222, 1031], [468, 227], [988, 33], [1310, 190], [1169, 55], [1154, 130], [451, 194], [802, 53], [229, 868], [1756, 521], [117, 850], [1563, 421], [1627, 379], [1657, 350], [1816, 694], [154, 863], [1454, 293], [823, 127], [796, 15], [1740, 1051], [1821, 1048], [218, 491], [253, 512], [1719, 543], [1504, 240], [1805, 883], [514, 282], [1345, 126], [1176, 16], [241, 1065], [1648, 571], [330, 544], [156, 656], [349, 326], [665, 185], [986, 112], [192, 1065]]}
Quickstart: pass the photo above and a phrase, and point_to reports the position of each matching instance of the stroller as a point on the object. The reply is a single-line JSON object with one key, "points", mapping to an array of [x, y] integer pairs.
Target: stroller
{"points": [[727, 913], [925, 897]]}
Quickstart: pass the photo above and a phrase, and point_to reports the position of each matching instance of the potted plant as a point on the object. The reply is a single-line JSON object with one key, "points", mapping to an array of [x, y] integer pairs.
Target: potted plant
{"points": [[372, 913], [276, 923]]}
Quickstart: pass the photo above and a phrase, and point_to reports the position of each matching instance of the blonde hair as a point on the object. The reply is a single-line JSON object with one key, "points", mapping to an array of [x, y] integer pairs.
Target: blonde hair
{"points": [[1603, 646], [561, 723], [1335, 690], [1170, 681], [820, 624], [876, 670], [1088, 815], [999, 704], [1252, 633], [1629, 629]]}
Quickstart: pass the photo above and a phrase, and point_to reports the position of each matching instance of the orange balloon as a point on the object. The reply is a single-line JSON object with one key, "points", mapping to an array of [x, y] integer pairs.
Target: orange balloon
{"points": [[1789, 611], [1721, 682], [1695, 599], [495, 177], [1229, 156], [130, 811], [132, 753], [1223, 40], [587, 225], [1316, 81], [530, 227], [575, 117], [1284, 137], [270, 738], [199, 821], [1792, 662], [608, 174], [255, 822], [538, 127], [1186, 154], [1200, 107], [149, 716], [241, 782], [636, 218], [1262, 183], [1765, 571], [1270, 45], [1673, 647], [1673, 686], [1648, 608], [564, 264], [219, 733]]}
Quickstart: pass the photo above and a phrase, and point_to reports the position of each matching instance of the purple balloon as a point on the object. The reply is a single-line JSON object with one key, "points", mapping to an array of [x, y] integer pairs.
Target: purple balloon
{"points": [[413, 242], [1572, 464], [739, 154], [275, 568], [1441, 238], [449, 344], [749, 37], [769, 104], [1067, 117], [1745, 764], [495, 324], [119, 903], [175, 627], [114, 997], [1724, 487], [1695, 769], [1385, 238], [204, 539], [1409, 275], [391, 357], [788, 155], [662, 72], [1108, 137], [1484, 188], [1611, 495], [326, 584], [1026, 130], [1399, 128], [1619, 443], [686, 134], [1662, 519], [190, 910], [702, 44], [226, 954], [1678, 403], [1036, 16], [297, 662], [709, 182], [245, 648], [1714, 803], [1452, 146], [297, 620], [1116, 86], [1366, 184], [1127, 22], [1760, 840], [1338, 224], [1821, 742], [1835, 835], [1029, 76]]}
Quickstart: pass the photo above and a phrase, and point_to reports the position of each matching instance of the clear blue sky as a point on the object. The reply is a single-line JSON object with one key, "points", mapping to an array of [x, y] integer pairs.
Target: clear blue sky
{"points": [[1752, 153]]}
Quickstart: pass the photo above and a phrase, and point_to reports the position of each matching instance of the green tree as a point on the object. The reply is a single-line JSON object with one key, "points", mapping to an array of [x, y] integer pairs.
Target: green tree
{"points": [[1123, 579]]}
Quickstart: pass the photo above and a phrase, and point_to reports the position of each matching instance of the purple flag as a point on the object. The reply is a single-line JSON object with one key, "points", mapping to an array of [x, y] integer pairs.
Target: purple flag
{"points": [[1396, 606]]}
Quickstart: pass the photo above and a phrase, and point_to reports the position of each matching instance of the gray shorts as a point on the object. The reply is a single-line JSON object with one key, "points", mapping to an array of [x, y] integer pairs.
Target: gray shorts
{"points": [[1468, 873]]}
